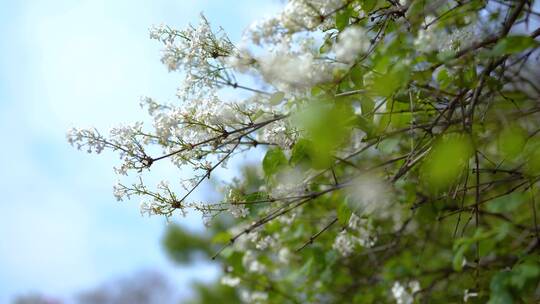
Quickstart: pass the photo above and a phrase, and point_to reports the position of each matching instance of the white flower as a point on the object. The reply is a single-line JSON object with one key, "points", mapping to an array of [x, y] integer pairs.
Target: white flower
{"points": [[119, 191], [88, 138], [265, 242], [289, 71], [253, 296], [238, 210], [284, 255], [364, 230], [250, 262], [351, 42], [344, 243], [163, 185], [404, 295], [467, 295], [437, 39], [157, 31], [230, 281], [370, 194], [278, 133], [296, 16], [148, 208], [240, 61]]}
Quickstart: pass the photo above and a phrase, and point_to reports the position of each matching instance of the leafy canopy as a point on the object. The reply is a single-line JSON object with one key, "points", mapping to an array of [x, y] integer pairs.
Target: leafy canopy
{"points": [[401, 152]]}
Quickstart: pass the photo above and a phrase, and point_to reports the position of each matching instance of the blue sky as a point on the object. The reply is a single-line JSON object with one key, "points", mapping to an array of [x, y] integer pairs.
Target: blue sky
{"points": [[70, 63]]}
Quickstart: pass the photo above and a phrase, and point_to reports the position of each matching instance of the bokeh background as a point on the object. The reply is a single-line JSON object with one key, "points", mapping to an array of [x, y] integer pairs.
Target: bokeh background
{"points": [[67, 63]]}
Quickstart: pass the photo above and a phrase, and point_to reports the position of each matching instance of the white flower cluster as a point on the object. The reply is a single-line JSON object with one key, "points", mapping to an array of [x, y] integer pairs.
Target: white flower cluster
{"points": [[265, 242], [235, 208], [371, 195], [251, 263], [163, 202], [361, 234], [230, 281], [297, 15], [278, 133], [344, 243], [351, 42], [291, 71], [89, 138], [195, 50], [436, 39], [119, 192], [284, 255], [253, 296], [364, 230], [127, 140], [405, 294], [289, 183]]}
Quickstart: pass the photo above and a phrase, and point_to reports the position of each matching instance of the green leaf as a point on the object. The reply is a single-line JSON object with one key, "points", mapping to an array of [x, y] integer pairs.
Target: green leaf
{"points": [[507, 203], [446, 161], [395, 78], [422, 77], [221, 237], [443, 78], [513, 44], [342, 19], [300, 151], [457, 261], [343, 213], [499, 289], [524, 273], [365, 125], [273, 161], [276, 98], [511, 141]]}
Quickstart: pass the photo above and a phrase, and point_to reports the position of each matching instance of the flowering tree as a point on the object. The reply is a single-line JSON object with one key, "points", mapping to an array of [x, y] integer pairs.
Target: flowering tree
{"points": [[401, 150]]}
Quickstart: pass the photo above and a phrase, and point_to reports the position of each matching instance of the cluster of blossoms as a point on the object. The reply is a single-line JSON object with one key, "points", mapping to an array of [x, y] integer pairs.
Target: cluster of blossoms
{"points": [[360, 232], [345, 105], [405, 294], [351, 42], [296, 16], [431, 38], [197, 51], [127, 140]]}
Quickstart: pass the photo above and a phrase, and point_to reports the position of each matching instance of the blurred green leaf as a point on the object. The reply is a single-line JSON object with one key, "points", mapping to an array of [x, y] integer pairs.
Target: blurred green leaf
{"points": [[446, 161], [511, 141], [273, 161], [513, 44]]}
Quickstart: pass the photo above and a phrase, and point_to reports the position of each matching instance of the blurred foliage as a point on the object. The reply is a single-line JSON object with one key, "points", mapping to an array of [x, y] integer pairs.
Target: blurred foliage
{"points": [[407, 174], [452, 136]]}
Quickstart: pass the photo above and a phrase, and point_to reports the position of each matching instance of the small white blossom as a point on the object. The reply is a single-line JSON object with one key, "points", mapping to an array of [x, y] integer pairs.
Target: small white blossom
{"points": [[119, 192], [433, 38], [265, 243], [238, 210], [148, 208], [344, 243], [467, 295], [405, 294], [230, 280], [253, 296], [364, 230], [251, 263], [284, 255], [292, 71], [296, 16]]}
